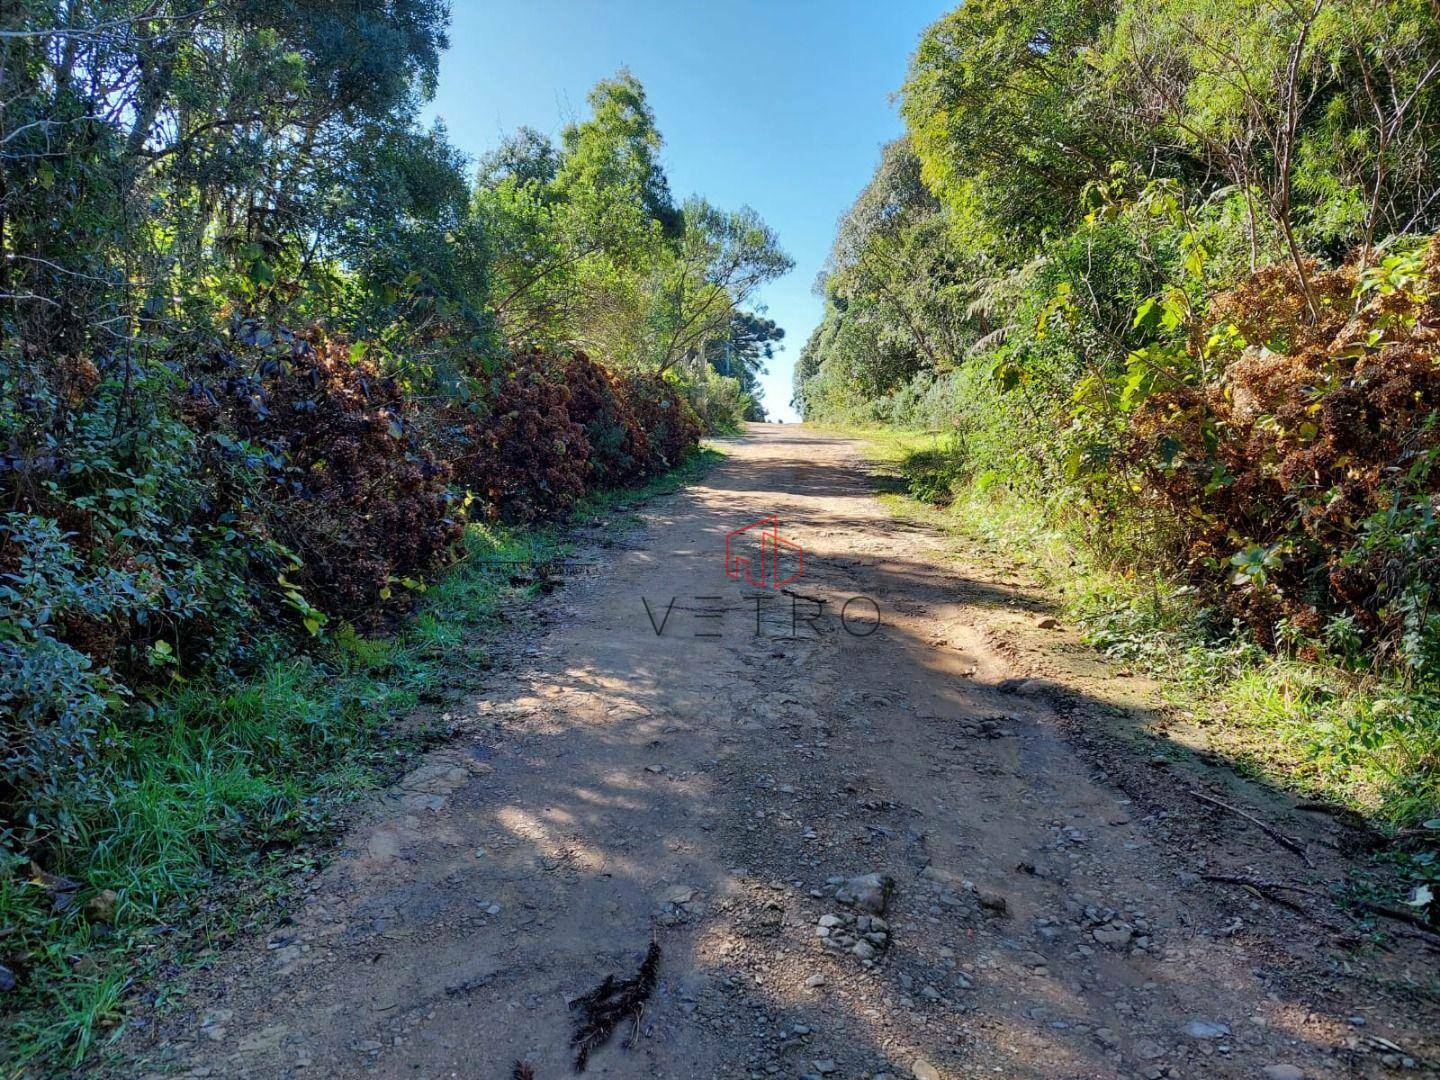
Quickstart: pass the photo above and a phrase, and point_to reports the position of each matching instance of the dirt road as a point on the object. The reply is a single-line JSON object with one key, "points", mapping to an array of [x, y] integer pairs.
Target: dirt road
{"points": [[715, 788]]}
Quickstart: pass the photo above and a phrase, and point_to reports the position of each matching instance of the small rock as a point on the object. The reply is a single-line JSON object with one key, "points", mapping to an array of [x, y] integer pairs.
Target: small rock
{"points": [[1206, 1029], [829, 920], [825, 1067], [101, 907], [213, 1024], [1283, 1072], [868, 892], [923, 1070], [864, 950], [678, 894], [992, 902], [1116, 935], [1047, 622], [815, 981], [1023, 687], [1148, 1050], [655, 768]]}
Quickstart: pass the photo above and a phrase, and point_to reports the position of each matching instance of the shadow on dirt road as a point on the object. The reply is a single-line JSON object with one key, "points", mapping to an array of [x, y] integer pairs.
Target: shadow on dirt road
{"points": [[713, 786]]}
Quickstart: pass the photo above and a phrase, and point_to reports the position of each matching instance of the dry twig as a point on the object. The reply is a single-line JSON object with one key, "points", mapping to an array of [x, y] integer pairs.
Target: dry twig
{"points": [[602, 1009], [1269, 830]]}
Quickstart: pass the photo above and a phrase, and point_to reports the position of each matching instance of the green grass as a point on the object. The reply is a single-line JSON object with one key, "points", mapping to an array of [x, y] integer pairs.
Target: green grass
{"points": [[223, 790], [1313, 726]]}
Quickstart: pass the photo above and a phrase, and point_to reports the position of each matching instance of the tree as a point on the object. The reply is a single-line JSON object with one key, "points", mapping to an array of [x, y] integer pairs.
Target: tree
{"points": [[893, 251], [721, 259], [1003, 111], [526, 158], [742, 354], [183, 133], [618, 149]]}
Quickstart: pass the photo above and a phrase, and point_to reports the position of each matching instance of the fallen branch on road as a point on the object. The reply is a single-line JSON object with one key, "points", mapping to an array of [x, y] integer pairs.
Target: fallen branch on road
{"points": [[603, 1008], [1422, 930], [1267, 890]]}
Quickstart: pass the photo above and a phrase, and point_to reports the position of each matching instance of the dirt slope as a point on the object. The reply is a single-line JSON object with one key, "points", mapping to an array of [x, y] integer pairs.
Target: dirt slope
{"points": [[1048, 916]]}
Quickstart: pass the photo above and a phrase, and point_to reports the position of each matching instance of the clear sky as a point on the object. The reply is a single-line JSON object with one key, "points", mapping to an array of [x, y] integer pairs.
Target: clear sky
{"points": [[780, 105]]}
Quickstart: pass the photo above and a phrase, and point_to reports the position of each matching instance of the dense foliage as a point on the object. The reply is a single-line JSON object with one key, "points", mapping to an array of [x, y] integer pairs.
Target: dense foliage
{"points": [[1162, 268], [266, 344]]}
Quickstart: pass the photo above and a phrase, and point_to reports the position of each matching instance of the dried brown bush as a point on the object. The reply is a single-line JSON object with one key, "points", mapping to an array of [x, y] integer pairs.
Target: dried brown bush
{"points": [[357, 494], [1311, 450], [667, 418], [525, 458], [619, 448]]}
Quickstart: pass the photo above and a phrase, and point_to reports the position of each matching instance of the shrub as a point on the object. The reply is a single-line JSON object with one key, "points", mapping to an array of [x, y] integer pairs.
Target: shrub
{"points": [[1303, 475], [720, 404], [115, 560], [52, 697], [171, 517], [362, 500], [526, 458], [668, 420], [356, 495], [619, 447]]}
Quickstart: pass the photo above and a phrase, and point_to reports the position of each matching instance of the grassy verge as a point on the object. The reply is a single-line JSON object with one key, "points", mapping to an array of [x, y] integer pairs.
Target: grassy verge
{"points": [[1316, 727], [227, 789]]}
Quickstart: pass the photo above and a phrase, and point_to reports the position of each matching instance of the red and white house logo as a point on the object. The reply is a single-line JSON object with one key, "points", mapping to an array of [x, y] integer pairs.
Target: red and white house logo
{"points": [[758, 553]]}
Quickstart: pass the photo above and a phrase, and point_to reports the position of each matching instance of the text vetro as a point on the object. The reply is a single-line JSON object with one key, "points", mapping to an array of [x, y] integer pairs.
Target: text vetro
{"points": [[706, 616]]}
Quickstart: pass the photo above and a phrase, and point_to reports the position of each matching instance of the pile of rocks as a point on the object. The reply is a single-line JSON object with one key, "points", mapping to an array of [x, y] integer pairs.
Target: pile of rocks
{"points": [[865, 936], [1123, 931], [861, 931]]}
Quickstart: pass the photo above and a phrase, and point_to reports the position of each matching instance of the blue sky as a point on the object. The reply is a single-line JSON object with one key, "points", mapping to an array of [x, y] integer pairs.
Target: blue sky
{"points": [[781, 106]]}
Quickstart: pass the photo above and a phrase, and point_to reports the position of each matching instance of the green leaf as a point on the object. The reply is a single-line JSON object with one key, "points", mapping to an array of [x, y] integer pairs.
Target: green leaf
{"points": [[1146, 314]]}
